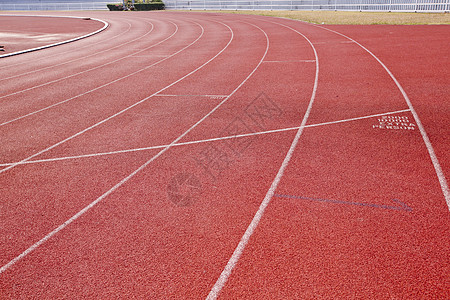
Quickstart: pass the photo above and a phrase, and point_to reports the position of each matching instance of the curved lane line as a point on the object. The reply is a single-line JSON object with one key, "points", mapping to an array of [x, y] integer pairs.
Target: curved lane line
{"points": [[59, 43], [432, 154], [221, 281]]}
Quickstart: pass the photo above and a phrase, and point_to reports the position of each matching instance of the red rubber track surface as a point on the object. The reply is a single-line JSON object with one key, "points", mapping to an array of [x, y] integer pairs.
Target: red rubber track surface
{"points": [[358, 212], [18, 33]]}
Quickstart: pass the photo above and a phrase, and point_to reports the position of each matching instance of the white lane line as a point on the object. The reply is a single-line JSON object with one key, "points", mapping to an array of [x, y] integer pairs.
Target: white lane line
{"points": [[208, 96], [198, 141], [290, 61], [432, 154], [105, 25], [80, 58], [221, 281], [123, 110], [123, 181], [104, 85]]}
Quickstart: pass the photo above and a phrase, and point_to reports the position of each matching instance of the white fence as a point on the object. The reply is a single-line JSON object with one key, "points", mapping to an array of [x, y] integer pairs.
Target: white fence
{"points": [[348, 5], [23, 5]]}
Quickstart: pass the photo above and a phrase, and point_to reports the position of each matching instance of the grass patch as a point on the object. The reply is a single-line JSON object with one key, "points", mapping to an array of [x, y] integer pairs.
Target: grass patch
{"points": [[353, 17]]}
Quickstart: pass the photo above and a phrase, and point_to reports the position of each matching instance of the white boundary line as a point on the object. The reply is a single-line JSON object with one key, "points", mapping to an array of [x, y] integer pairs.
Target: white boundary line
{"points": [[123, 181], [96, 88], [199, 141], [432, 154], [59, 43], [221, 281], [206, 96], [291, 61]]}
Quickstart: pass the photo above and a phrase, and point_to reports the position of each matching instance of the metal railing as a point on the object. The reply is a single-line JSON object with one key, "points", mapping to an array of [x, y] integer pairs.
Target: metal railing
{"points": [[54, 5], [347, 5]]}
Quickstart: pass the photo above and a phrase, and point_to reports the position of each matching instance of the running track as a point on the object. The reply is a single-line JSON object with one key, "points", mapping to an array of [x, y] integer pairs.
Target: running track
{"points": [[188, 155]]}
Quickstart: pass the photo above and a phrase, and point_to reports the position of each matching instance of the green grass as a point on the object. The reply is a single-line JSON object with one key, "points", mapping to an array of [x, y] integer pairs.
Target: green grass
{"points": [[354, 17]]}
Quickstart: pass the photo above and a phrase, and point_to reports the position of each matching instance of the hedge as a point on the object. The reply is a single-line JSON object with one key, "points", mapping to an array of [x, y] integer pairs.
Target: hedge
{"points": [[137, 6], [150, 6], [114, 7]]}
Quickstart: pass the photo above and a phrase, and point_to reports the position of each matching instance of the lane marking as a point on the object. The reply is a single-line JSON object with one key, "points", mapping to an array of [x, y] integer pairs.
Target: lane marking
{"points": [[290, 61], [198, 141], [105, 25], [432, 154], [221, 281], [123, 181], [208, 96], [401, 205]]}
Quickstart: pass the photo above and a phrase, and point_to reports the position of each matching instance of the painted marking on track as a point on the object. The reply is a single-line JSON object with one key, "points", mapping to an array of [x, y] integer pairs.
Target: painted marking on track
{"points": [[149, 56], [426, 140], [395, 123], [206, 96], [290, 61], [400, 206], [196, 141]]}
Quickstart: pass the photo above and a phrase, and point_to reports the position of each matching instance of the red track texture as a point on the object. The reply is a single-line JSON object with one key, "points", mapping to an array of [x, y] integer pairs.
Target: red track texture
{"points": [[189, 155]]}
